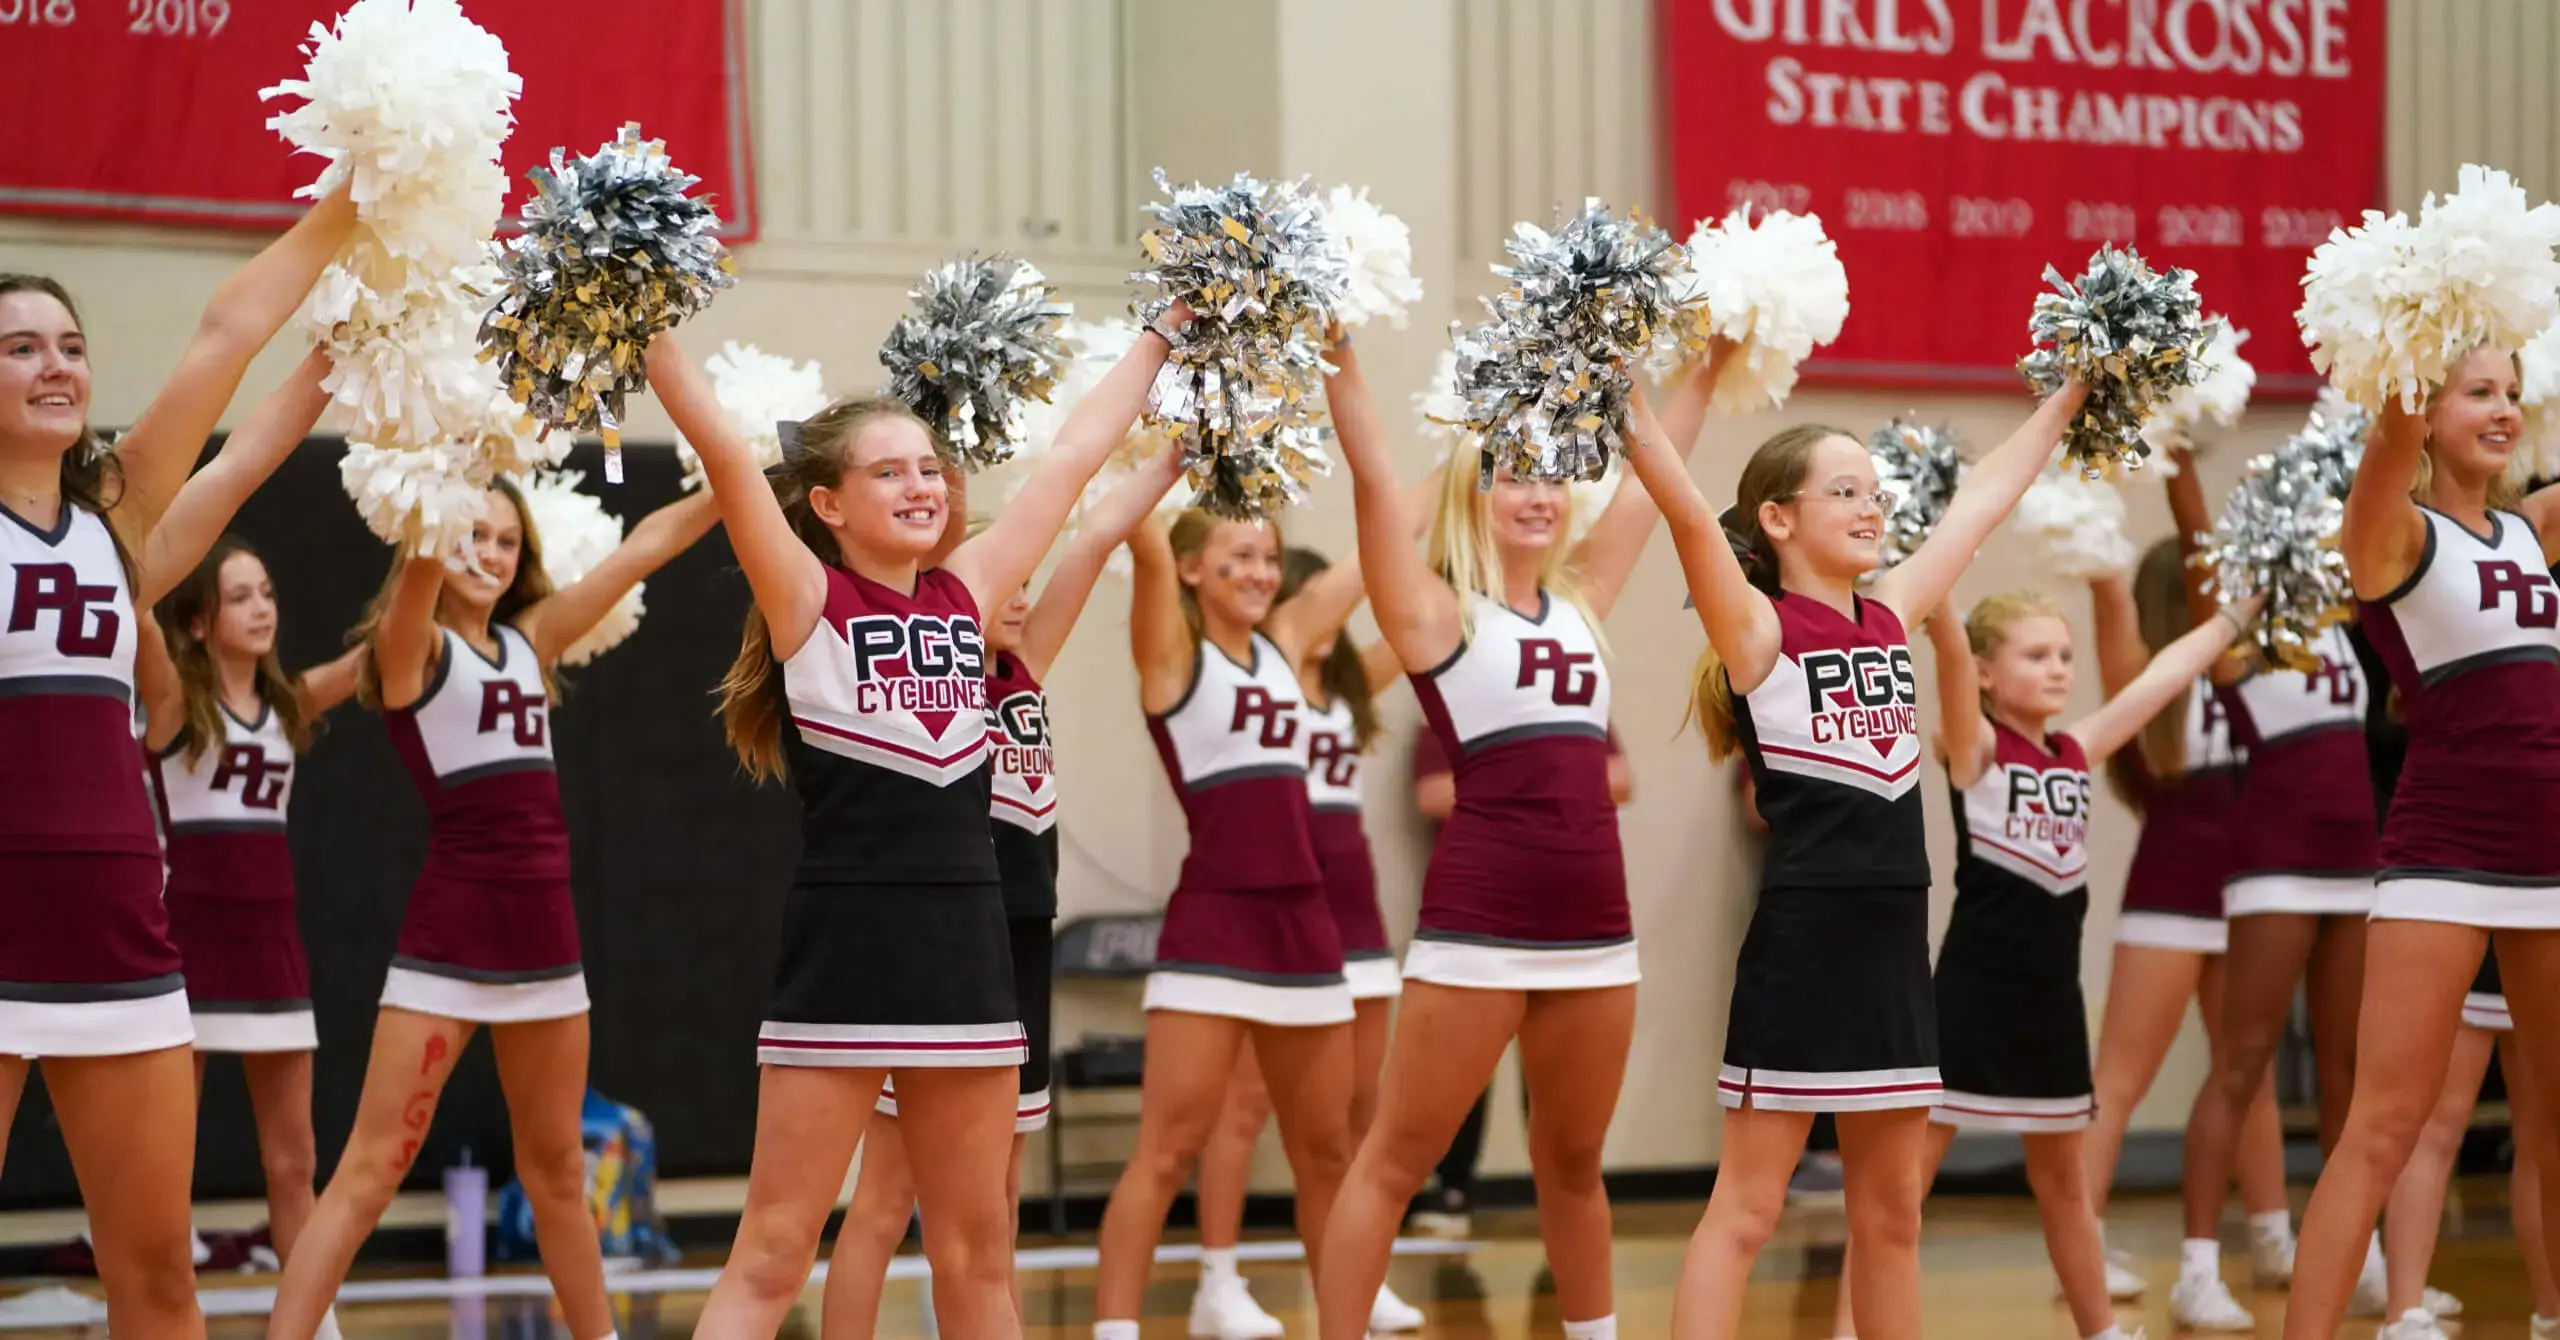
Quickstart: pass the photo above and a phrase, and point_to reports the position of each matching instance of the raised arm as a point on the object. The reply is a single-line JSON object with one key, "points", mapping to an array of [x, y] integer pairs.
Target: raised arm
{"points": [[213, 495], [328, 684], [789, 582], [2178, 665], [2382, 533], [1417, 612], [1609, 551], [1002, 557], [1070, 584], [564, 616], [2118, 629], [1740, 621], [156, 684], [1380, 665], [1990, 489], [1160, 639], [2187, 512], [245, 313], [1964, 734], [407, 635]]}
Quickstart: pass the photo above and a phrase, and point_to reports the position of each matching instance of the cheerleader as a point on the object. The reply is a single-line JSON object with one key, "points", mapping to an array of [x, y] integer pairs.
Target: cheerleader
{"points": [[90, 985], [2450, 572], [459, 662], [862, 675], [1341, 682], [1024, 641], [2013, 1034], [1524, 930], [1832, 1006]]}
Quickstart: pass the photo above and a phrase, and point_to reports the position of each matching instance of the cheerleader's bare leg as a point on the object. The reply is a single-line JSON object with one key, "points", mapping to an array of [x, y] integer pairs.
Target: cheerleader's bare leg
{"points": [[884, 1199], [1573, 1060], [1190, 1059], [2530, 1119], [542, 1067], [2260, 1155], [1372, 1021], [1445, 1048], [130, 1124], [1226, 1162], [413, 1055], [1307, 1073], [2529, 961], [2334, 989], [280, 1100], [2269, 951], [808, 1121], [2147, 994], [13, 1085], [2411, 1218], [959, 1133], [1759, 1154], [2416, 975], [1844, 1323], [1886, 1165]]}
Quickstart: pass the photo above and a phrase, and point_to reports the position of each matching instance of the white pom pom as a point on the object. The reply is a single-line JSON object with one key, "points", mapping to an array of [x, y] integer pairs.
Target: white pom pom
{"points": [[2389, 306], [1380, 248], [408, 101], [2538, 455], [404, 364], [2077, 524], [1441, 410], [576, 535], [420, 499], [757, 391], [1775, 288], [2219, 394]]}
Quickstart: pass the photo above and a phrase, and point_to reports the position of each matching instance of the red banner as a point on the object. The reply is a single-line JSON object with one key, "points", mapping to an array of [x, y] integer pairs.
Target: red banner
{"points": [[149, 110], [1954, 148]]}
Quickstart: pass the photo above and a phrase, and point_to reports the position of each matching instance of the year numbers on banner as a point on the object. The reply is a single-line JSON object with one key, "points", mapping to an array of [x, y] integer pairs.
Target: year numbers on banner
{"points": [[2200, 226], [2102, 221], [1768, 197], [175, 18], [2305, 228], [38, 13], [1888, 211], [1974, 216]]}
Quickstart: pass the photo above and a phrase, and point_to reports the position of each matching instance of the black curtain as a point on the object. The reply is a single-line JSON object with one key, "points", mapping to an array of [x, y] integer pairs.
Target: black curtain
{"points": [[679, 864]]}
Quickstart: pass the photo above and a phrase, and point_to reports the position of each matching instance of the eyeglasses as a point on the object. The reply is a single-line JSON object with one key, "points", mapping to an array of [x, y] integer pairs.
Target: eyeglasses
{"points": [[1885, 500]]}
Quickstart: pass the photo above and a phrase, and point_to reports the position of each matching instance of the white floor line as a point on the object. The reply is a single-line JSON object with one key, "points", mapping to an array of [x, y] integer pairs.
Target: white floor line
{"points": [[54, 1307]]}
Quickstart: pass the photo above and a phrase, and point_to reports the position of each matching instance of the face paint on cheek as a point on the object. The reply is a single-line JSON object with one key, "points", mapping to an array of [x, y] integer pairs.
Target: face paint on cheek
{"points": [[1226, 572]]}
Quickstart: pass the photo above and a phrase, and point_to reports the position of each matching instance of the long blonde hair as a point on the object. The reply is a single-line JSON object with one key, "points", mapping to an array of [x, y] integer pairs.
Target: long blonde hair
{"points": [[532, 586], [196, 600], [1987, 624], [751, 693], [1189, 535], [1775, 473], [2160, 609], [1462, 551]]}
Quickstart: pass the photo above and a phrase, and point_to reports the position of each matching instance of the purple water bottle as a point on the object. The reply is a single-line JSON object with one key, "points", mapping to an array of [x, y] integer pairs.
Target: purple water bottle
{"points": [[466, 1219]]}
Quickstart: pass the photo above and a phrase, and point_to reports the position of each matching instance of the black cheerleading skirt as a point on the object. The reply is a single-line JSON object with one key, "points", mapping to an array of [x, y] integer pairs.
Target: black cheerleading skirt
{"points": [[1034, 942], [891, 976], [1832, 1005]]}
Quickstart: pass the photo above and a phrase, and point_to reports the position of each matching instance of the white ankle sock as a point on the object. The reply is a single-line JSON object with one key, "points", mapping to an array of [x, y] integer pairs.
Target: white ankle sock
{"points": [[2373, 1255], [1115, 1330], [2111, 1333], [1217, 1264], [2200, 1258], [1604, 1328], [2272, 1226], [329, 1327]]}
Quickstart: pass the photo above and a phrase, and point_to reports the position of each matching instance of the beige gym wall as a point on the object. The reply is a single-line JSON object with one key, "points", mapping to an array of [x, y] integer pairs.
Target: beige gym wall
{"points": [[893, 133]]}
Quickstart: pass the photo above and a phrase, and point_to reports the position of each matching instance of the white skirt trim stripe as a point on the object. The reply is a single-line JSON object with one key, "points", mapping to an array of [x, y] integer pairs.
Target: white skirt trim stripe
{"points": [[1984, 1112], [2510, 907], [890, 1046], [485, 1002], [1257, 1002], [2482, 1010], [2168, 930], [2302, 895], [1373, 978], [1829, 1091], [245, 1031], [1511, 967], [37, 1029], [1030, 1111]]}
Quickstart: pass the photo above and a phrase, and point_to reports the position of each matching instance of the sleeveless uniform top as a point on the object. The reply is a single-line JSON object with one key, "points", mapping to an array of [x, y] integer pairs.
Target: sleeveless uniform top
{"points": [[72, 785], [1333, 758], [2022, 859], [478, 745], [2186, 846], [1530, 854], [2306, 796], [1235, 750], [1025, 789], [888, 737], [226, 812], [2472, 640], [1833, 736]]}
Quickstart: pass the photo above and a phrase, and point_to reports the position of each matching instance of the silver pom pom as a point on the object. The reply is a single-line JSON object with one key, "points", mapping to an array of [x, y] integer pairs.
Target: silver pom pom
{"points": [[613, 252], [2134, 335], [1261, 272], [1921, 466], [983, 338], [2277, 536], [1546, 377]]}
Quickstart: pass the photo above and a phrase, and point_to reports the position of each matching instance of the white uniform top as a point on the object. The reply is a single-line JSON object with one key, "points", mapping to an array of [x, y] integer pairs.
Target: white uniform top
{"points": [[480, 717], [1025, 782], [1516, 677], [2286, 703], [1237, 721], [1333, 757], [2028, 816], [2474, 601], [2208, 730], [69, 619], [242, 785]]}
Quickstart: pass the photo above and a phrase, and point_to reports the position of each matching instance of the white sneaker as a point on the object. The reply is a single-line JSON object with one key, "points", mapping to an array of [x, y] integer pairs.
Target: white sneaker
{"points": [[2415, 1324], [2271, 1262], [2204, 1303], [1390, 1314], [2546, 1328], [1225, 1310], [2123, 1285], [2372, 1295], [2440, 1305]]}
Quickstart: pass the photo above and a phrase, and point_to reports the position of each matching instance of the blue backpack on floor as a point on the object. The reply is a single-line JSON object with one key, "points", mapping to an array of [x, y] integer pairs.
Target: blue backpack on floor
{"points": [[622, 1191]]}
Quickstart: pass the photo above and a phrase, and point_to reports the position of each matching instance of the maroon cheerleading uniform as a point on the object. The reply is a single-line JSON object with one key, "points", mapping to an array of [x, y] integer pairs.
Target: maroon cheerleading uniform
{"points": [[2306, 841], [231, 896], [1247, 933], [1342, 851], [1833, 1010], [2472, 640], [86, 964], [1527, 887], [491, 935], [2013, 1030], [2173, 890]]}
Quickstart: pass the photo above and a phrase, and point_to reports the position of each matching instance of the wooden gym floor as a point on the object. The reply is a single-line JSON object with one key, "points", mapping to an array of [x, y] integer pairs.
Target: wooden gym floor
{"points": [[1983, 1263]]}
